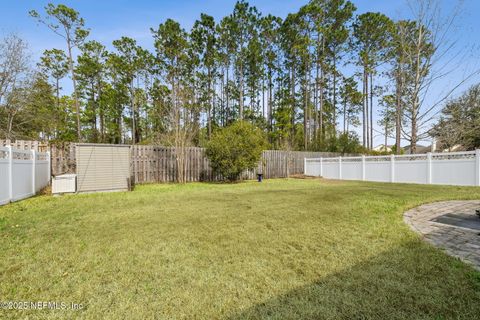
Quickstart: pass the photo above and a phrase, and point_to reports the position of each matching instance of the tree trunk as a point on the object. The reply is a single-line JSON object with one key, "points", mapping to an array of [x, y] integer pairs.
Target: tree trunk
{"points": [[270, 107], [292, 84], [94, 116], [305, 112], [57, 103], [348, 123], [398, 114], [334, 94], [315, 96], [222, 106], [101, 113], [386, 135], [75, 95], [240, 102], [413, 138], [227, 96], [367, 110], [214, 102], [364, 110], [118, 138], [371, 110], [263, 98], [322, 98], [132, 101], [57, 92], [209, 112], [315, 103]]}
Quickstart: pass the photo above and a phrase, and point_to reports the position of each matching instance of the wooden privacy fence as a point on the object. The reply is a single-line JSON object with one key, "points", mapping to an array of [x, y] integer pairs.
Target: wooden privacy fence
{"points": [[158, 164], [63, 158]]}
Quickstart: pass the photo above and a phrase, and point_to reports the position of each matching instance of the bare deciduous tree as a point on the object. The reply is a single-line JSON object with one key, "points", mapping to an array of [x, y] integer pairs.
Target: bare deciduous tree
{"points": [[429, 53], [13, 75], [66, 23]]}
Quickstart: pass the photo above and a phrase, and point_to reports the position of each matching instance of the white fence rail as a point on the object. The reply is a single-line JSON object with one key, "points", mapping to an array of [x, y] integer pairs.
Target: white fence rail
{"points": [[453, 168], [22, 173]]}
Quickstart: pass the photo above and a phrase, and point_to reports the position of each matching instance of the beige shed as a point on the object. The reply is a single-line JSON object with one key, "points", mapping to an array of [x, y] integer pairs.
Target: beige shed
{"points": [[102, 167]]}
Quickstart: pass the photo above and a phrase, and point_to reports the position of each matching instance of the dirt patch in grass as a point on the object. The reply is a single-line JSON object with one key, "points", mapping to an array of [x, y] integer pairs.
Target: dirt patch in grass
{"points": [[302, 176]]}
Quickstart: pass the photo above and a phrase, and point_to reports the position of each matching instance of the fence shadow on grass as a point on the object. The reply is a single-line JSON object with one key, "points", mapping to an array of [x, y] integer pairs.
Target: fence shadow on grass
{"points": [[411, 282]]}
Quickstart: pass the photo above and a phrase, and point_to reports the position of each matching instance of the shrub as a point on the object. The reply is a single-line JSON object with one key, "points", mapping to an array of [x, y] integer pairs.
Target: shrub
{"points": [[235, 149]]}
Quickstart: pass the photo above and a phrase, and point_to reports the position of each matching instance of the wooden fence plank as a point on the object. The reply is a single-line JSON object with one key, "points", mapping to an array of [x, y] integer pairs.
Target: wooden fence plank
{"points": [[158, 163]]}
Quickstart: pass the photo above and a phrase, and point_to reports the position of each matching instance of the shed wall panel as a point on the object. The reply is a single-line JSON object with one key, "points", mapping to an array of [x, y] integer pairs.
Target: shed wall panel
{"points": [[102, 167]]}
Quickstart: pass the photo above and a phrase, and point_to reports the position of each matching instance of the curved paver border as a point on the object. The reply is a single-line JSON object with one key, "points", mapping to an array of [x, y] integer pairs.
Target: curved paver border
{"points": [[460, 242]]}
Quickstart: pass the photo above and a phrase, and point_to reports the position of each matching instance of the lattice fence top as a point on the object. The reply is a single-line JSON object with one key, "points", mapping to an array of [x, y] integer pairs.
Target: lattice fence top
{"points": [[463, 155]]}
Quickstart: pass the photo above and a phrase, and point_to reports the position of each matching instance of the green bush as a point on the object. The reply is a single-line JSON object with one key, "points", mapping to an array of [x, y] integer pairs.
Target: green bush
{"points": [[235, 149]]}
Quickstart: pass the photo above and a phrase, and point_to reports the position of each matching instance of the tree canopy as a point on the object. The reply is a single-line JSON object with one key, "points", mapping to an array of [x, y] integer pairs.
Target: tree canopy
{"points": [[287, 77]]}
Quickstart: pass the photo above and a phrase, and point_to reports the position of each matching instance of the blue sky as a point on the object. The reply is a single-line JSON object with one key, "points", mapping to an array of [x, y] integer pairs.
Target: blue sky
{"points": [[109, 20]]}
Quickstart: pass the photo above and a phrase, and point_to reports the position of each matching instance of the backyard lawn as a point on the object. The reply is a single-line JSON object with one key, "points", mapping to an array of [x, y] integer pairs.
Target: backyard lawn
{"points": [[281, 249]]}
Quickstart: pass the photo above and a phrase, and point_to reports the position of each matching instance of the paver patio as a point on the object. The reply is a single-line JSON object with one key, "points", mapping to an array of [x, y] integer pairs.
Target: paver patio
{"points": [[461, 242]]}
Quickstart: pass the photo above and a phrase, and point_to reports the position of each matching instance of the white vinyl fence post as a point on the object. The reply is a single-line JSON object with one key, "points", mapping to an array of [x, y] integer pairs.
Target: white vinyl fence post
{"points": [[340, 167], [34, 160], [363, 167], [321, 167], [305, 166], [49, 168], [429, 168], [477, 162], [10, 172], [392, 168]]}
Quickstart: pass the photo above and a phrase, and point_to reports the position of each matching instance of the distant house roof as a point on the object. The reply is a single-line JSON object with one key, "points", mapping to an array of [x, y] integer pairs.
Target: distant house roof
{"points": [[457, 147], [419, 149], [381, 147], [425, 149]]}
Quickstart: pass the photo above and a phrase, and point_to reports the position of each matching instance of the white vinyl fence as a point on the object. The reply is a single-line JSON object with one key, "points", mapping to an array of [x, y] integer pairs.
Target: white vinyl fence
{"points": [[22, 173], [453, 168]]}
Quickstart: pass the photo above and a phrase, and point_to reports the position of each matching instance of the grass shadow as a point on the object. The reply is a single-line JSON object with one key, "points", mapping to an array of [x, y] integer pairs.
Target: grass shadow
{"points": [[426, 288]]}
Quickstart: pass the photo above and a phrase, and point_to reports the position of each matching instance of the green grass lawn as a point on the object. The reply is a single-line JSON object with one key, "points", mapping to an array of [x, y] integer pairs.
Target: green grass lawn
{"points": [[282, 249]]}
